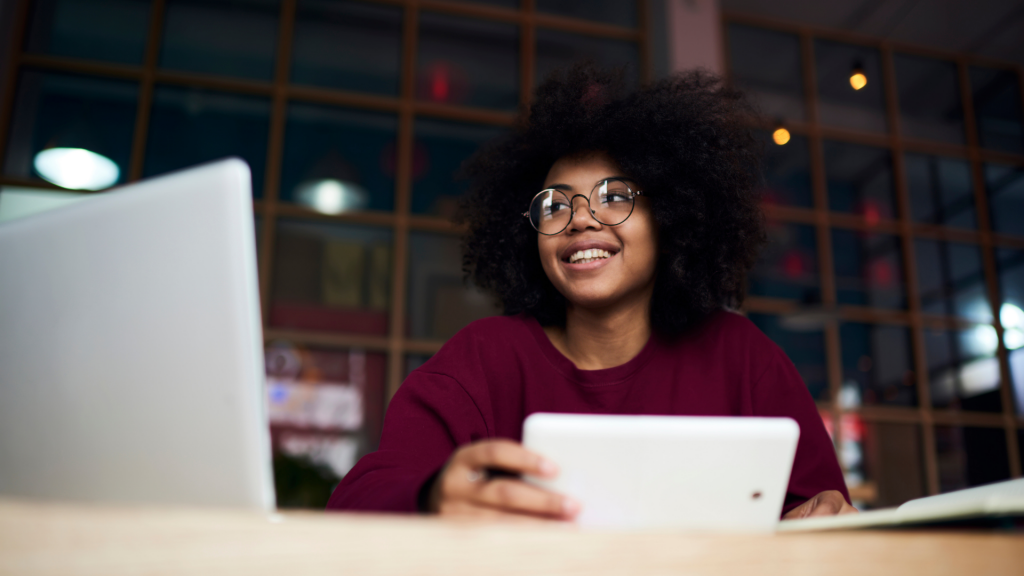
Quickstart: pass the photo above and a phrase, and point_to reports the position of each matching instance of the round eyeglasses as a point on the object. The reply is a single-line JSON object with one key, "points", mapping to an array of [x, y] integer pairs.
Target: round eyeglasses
{"points": [[610, 203]]}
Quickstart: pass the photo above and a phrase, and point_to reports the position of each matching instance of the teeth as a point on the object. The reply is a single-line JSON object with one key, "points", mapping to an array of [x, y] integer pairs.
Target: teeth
{"points": [[585, 256]]}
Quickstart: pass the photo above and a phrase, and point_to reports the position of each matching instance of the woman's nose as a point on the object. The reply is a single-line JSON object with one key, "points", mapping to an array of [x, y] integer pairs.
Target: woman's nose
{"points": [[582, 214]]}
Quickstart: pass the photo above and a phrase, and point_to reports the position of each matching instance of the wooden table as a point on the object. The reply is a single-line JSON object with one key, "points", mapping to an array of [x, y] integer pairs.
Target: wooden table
{"points": [[44, 538]]}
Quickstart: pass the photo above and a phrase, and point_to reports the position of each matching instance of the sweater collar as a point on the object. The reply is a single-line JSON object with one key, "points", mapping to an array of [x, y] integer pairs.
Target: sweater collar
{"points": [[604, 377]]}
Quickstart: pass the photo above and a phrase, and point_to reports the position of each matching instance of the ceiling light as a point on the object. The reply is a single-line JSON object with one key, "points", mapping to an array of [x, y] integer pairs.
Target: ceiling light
{"points": [[330, 196], [858, 79], [76, 168], [780, 136]]}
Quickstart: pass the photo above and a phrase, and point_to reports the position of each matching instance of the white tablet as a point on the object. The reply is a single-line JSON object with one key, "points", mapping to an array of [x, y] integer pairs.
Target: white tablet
{"points": [[682, 472]]}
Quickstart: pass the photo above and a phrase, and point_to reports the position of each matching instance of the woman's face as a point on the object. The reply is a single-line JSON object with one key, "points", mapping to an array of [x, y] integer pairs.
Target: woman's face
{"points": [[628, 270]]}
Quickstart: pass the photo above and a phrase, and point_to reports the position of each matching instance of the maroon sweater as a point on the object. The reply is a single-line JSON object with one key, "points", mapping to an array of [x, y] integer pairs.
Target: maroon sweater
{"points": [[494, 373]]}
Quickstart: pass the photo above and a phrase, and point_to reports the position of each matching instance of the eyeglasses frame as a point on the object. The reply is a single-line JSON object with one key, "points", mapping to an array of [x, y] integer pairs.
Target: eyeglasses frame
{"points": [[572, 203]]}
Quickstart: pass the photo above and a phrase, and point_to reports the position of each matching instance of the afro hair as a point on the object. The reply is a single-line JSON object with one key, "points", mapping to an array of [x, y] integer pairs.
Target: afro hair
{"points": [[685, 140]]}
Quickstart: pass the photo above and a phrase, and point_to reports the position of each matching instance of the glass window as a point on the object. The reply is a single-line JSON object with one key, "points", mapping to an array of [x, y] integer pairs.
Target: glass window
{"points": [[441, 148], [970, 456], [941, 190], [338, 160], [55, 110], [326, 408], [348, 45], [997, 103], [331, 277], [766, 64], [841, 69], [877, 365], [557, 49], [1010, 267], [109, 30], [787, 172], [868, 269], [963, 372], [616, 12], [889, 458], [414, 361], [1005, 187], [230, 37], [929, 93], [788, 266], [468, 62], [860, 180], [951, 280], [805, 346], [440, 302], [189, 126]]}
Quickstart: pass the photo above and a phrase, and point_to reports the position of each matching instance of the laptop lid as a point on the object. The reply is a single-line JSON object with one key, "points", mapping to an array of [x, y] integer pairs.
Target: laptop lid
{"points": [[131, 353], [691, 473]]}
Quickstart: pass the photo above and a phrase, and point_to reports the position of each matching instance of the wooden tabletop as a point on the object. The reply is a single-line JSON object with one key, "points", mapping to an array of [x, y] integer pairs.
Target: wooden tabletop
{"points": [[46, 538]]}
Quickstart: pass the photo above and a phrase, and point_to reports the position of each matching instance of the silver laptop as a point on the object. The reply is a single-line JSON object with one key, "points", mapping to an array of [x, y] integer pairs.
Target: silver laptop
{"points": [[694, 473], [131, 363]]}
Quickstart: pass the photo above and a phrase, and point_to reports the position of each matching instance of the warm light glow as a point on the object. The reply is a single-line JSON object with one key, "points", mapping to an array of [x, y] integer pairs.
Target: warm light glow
{"points": [[781, 136], [76, 168], [858, 80], [331, 196]]}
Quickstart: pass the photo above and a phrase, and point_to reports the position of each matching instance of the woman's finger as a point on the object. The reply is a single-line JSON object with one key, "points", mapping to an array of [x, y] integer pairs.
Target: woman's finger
{"points": [[506, 455], [518, 496]]}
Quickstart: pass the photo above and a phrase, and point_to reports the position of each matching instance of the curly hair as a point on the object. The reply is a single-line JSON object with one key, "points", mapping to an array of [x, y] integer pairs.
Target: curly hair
{"points": [[685, 140]]}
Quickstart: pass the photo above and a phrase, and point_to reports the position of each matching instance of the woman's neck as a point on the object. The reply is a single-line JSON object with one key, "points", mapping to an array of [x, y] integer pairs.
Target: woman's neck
{"points": [[594, 339]]}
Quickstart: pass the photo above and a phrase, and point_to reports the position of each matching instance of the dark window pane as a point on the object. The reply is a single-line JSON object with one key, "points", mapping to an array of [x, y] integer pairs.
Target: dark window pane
{"points": [[787, 172], [970, 456], [440, 302], [997, 103], [1010, 267], [617, 12], [441, 148], [348, 45], [467, 61], [963, 372], [331, 277], [111, 30], [788, 267], [805, 348], [951, 280], [941, 190], [839, 103], [500, 3], [338, 160], [860, 180], [556, 49], [67, 111], [929, 92], [877, 365], [891, 461], [231, 37], [1005, 187], [868, 268], [190, 126], [766, 65], [326, 408], [414, 361]]}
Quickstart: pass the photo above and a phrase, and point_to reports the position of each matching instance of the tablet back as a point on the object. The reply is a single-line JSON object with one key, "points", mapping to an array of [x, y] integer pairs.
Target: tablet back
{"points": [[685, 472]]}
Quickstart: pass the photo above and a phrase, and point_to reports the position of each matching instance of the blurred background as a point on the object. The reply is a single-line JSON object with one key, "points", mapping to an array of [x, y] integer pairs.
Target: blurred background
{"points": [[894, 186]]}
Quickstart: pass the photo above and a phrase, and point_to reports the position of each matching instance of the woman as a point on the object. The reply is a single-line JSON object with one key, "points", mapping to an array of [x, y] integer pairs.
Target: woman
{"points": [[615, 228]]}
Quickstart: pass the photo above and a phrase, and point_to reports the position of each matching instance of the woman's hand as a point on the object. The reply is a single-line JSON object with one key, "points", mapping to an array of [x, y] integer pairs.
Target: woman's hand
{"points": [[464, 488], [828, 503]]}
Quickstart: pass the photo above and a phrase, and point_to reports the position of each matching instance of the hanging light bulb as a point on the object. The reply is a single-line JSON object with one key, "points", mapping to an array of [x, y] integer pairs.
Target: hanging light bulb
{"points": [[76, 168], [781, 136], [858, 79]]}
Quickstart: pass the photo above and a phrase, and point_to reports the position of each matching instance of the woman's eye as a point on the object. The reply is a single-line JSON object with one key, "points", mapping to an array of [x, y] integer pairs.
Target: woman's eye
{"points": [[617, 197], [557, 207]]}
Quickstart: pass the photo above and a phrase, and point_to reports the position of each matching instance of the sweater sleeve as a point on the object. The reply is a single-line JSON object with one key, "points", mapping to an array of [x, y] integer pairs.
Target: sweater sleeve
{"points": [[780, 391], [429, 416]]}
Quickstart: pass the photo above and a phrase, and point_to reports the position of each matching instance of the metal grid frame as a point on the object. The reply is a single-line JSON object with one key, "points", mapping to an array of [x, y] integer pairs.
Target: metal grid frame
{"points": [[280, 91], [902, 227]]}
